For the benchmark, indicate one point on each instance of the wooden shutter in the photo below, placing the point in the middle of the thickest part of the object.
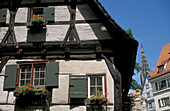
(78, 86)
(52, 74)
(10, 77)
(49, 14)
(3, 13)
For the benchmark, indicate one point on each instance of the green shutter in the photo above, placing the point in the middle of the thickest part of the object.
(49, 14)
(10, 77)
(52, 74)
(78, 86)
(3, 13)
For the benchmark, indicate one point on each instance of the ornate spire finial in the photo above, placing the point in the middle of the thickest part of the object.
(145, 66)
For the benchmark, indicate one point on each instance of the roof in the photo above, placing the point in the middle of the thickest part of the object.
(162, 60)
(150, 73)
(137, 91)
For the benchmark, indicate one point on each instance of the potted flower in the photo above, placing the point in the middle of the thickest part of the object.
(30, 90)
(99, 99)
(36, 21)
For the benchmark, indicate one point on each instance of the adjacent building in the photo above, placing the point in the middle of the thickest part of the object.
(139, 103)
(146, 84)
(161, 80)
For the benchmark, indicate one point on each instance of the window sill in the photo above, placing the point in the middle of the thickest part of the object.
(93, 102)
(30, 25)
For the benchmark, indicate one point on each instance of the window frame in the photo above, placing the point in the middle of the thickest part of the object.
(150, 105)
(148, 95)
(96, 74)
(31, 12)
(32, 72)
(147, 86)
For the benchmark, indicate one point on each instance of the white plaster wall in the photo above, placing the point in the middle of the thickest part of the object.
(6, 107)
(159, 96)
(62, 13)
(60, 94)
(82, 68)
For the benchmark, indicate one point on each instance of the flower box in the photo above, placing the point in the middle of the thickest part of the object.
(30, 90)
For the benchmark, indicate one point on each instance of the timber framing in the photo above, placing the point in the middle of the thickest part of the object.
(72, 32)
(119, 53)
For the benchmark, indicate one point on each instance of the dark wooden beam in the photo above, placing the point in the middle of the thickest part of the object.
(38, 3)
(117, 77)
(3, 61)
(10, 34)
(72, 31)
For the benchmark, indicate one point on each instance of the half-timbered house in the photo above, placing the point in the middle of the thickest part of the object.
(73, 48)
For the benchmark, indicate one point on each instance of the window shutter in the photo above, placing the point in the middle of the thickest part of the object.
(52, 74)
(10, 77)
(78, 86)
(49, 14)
(3, 13)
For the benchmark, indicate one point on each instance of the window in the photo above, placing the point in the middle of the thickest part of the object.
(150, 105)
(148, 95)
(32, 73)
(161, 69)
(37, 11)
(168, 82)
(147, 86)
(160, 85)
(163, 102)
(96, 82)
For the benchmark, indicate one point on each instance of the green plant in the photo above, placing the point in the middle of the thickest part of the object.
(99, 97)
(30, 90)
(38, 20)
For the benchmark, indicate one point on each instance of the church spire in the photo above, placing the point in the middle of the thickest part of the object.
(145, 66)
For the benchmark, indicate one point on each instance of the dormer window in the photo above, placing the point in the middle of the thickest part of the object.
(161, 69)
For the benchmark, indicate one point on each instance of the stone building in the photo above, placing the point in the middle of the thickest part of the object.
(74, 50)
(161, 80)
(147, 91)
(139, 103)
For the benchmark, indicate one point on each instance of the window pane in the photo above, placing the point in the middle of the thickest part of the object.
(41, 81)
(22, 75)
(92, 81)
(28, 76)
(99, 88)
(42, 74)
(28, 68)
(22, 82)
(42, 68)
(99, 80)
(92, 91)
(28, 81)
(23, 68)
(36, 75)
(38, 12)
(36, 68)
(36, 82)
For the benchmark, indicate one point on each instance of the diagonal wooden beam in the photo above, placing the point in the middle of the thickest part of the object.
(72, 32)
(3, 60)
(117, 82)
(10, 34)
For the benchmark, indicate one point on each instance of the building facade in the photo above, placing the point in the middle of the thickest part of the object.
(62, 50)
(161, 80)
(147, 91)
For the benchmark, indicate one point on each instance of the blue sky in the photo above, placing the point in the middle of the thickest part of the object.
(149, 21)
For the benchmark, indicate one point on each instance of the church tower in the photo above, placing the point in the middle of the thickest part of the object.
(145, 66)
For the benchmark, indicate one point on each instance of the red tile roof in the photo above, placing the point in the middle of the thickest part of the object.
(163, 59)
(150, 73)
(137, 91)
